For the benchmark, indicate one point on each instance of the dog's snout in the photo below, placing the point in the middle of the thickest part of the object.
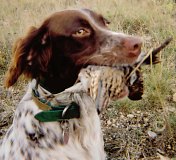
(133, 45)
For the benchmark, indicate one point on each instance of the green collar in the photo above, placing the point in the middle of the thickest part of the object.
(52, 113)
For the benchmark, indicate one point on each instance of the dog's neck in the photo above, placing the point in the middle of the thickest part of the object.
(59, 77)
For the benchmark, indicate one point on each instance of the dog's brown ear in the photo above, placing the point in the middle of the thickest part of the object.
(31, 55)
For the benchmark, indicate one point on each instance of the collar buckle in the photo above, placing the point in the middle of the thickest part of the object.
(65, 110)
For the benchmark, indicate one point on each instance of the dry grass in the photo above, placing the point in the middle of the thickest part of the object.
(154, 20)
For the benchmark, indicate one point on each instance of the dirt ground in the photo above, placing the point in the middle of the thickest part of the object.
(137, 135)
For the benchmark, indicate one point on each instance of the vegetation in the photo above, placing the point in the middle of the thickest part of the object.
(154, 20)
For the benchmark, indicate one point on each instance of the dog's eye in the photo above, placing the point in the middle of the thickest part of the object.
(83, 32)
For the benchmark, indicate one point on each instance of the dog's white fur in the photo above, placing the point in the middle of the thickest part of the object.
(85, 135)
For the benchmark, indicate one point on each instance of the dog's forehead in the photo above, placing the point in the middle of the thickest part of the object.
(76, 14)
(91, 14)
(68, 19)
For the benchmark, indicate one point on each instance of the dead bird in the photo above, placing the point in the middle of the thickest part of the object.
(105, 83)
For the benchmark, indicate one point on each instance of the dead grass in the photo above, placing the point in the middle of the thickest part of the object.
(154, 20)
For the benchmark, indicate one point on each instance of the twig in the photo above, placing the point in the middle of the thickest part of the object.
(139, 64)
(163, 45)
(157, 50)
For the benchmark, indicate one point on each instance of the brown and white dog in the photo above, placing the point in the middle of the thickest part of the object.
(54, 54)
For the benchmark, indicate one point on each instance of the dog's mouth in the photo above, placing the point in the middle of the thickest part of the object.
(112, 59)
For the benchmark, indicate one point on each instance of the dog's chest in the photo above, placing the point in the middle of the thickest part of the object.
(30, 139)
